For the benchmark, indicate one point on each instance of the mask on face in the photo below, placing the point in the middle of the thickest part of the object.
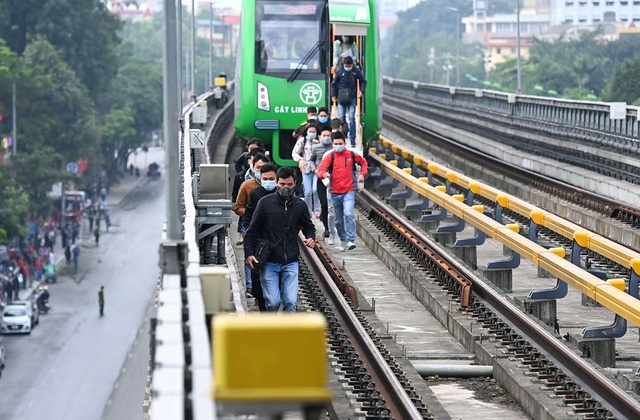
(338, 148)
(285, 192)
(323, 120)
(258, 175)
(312, 117)
(269, 184)
(325, 140)
(311, 136)
(348, 68)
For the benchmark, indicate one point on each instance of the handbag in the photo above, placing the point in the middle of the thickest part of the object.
(345, 96)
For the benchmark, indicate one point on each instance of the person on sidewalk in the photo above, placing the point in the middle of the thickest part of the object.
(96, 234)
(76, 257)
(101, 300)
(339, 167)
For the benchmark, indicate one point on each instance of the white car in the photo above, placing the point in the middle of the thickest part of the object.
(15, 319)
(32, 310)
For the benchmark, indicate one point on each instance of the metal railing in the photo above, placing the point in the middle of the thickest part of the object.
(603, 124)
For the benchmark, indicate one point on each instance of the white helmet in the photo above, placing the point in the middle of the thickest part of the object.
(46, 287)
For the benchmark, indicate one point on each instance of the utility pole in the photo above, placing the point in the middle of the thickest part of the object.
(210, 46)
(519, 88)
(170, 117)
(193, 50)
(455, 9)
(181, 88)
(14, 118)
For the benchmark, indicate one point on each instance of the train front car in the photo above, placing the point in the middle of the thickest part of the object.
(282, 70)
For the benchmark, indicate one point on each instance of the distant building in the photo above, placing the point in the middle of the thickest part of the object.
(589, 12)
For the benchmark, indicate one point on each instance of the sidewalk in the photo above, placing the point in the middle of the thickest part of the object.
(117, 194)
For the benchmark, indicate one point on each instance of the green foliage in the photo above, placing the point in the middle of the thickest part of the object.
(118, 136)
(57, 111)
(13, 207)
(624, 86)
(35, 173)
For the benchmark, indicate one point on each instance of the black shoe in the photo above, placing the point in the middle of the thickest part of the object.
(326, 234)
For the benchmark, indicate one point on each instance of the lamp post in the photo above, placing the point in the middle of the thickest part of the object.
(455, 9)
(519, 87)
(210, 45)
(193, 50)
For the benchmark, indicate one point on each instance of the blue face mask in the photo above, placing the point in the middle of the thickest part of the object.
(338, 148)
(323, 120)
(348, 68)
(311, 136)
(269, 185)
(258, 175)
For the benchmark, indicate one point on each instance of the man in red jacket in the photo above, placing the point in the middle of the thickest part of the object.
(339, 172)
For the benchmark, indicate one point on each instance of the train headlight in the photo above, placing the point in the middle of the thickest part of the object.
(263, 98)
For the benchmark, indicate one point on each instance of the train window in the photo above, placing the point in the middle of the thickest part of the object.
(287, 35)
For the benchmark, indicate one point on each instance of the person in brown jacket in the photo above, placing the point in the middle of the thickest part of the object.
(243, 200)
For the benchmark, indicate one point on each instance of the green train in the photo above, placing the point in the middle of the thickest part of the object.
(285, 56)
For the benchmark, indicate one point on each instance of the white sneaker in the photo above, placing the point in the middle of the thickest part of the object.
(351, 245)
(342, 247)
(331, 239)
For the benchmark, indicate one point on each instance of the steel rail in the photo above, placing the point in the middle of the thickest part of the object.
(599, 386)
(398, 402)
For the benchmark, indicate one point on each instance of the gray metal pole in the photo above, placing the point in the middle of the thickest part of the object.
(14, 118)
(181, 87)
(170, 116)
(193, 50)
(458, 47)
(519, 88)
(210, 46)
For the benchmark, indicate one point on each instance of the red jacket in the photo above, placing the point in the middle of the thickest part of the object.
(343, 177)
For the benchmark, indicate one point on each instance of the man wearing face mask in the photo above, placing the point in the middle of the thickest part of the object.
(317, 153)
(279, 217)
(323, 119)
(268, 186)
(339, 169)
(243, 199)
(344, 92)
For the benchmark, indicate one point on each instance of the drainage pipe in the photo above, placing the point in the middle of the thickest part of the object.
(453, 371)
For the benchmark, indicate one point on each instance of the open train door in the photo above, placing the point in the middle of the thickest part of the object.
(351, 18)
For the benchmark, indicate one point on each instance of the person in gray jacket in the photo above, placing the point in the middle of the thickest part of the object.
(317, 153)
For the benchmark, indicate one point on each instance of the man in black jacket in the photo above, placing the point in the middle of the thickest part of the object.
(344, 92)
(267, 186)
(279, 217)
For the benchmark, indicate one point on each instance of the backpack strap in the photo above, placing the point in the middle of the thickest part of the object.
(353, 161)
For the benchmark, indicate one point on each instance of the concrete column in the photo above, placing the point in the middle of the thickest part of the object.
(397, 203)
(600, 350)
(502, 278)
(543, 309)
(444, 238)
(468, 254)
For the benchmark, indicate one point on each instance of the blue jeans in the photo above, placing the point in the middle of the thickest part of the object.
(310, 183)
(280, 283)
(345, 217)
(351, 111)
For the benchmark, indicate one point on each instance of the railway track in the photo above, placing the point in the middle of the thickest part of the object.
(579, 386)
(586, 199)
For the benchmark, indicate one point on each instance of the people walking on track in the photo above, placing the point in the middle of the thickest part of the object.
(101, 300)
(339, 167)
(275, 224)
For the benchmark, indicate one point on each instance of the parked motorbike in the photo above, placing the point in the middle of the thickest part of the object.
(44, 307)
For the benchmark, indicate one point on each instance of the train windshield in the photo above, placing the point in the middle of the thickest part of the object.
(287, 35)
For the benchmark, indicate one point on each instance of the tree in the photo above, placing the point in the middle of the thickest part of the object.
(83, 30)
(118, 136)
(624, 86)
(13, 207)
(35, 173)
(55, 110)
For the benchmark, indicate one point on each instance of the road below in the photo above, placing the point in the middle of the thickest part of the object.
(68, 367)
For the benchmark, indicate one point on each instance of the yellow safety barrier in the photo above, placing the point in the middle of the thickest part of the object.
(270, 358)
(599, 244)
(552, 261)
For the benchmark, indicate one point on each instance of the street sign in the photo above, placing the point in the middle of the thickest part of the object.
(197, 139)
(72, 167)
(199, 115)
